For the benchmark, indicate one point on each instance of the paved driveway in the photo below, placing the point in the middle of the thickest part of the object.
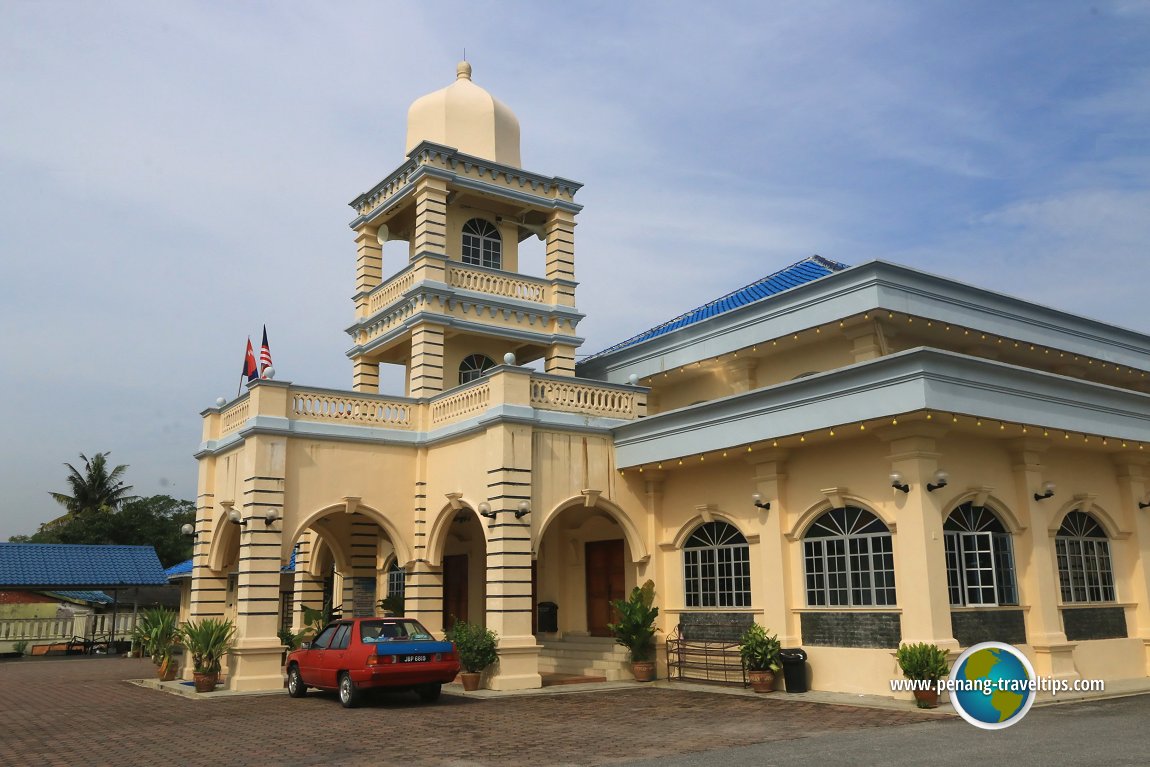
(81, 712)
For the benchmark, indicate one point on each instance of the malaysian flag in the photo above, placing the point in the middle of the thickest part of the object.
(265, 355)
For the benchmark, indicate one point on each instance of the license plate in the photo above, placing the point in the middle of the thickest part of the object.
(414, 659)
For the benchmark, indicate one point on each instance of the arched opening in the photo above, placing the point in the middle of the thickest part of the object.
(848, 560)
(979, 558)
(583, 563)
(464, 562)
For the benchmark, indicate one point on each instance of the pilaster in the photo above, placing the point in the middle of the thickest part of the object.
(1133, 475)
(423, 595)
(307, 589)
(1037, 570)
(773, 585)
(919, 544)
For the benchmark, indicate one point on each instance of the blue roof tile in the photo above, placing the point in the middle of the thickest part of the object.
(78, 567)
(96, 597)
(807, 270)
(184, 569)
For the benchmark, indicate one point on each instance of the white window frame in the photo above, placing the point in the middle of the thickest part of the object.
(1085, 566)
(850, 568)
(716, 567)
(482, 244)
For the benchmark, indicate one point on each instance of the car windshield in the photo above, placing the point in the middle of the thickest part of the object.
(393, 629)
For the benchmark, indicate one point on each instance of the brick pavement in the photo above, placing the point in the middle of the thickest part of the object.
(81, 712)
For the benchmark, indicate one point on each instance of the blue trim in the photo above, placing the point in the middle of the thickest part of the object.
(807, 270)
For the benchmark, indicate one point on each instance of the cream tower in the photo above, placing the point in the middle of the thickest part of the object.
(463, 204)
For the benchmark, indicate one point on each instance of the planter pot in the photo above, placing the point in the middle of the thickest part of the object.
(205, 682)
(762, 681)
(644, 670)
(168, 670)
(470, 681)
(926, 698)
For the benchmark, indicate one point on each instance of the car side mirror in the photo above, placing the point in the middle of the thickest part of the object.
(305, 645)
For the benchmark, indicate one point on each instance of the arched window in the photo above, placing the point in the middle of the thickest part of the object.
(473, 367)
(848, 560)
(979, 558)
(482, 245)
(1083, 555)
(396, 577)
(717, 567)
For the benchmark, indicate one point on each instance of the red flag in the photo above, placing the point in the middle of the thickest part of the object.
(265, 355)
(250, 363)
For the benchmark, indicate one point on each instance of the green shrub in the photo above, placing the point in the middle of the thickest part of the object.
(20, 647)
(158, 633)
(208, 641)
(474, 644)
(760, 650)
(636, 627)
(922, 661)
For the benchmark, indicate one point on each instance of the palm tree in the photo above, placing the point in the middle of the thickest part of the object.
(96, 489)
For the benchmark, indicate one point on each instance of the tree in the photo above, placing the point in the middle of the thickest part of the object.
(151, 521)
(97, 489)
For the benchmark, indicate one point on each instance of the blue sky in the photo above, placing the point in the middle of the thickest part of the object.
(174, 175)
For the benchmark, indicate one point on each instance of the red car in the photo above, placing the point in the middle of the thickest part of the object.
(359, 654)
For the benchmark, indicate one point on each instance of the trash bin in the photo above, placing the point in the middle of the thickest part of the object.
(794, 669)
(548, 622)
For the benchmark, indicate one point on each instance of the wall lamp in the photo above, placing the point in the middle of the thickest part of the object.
(1047, 492)
(485, 510)
(1145, 505)
(523, 510)
(941, 480)
(234, 516)
(188, 529)
(758, 501)
(897, 483)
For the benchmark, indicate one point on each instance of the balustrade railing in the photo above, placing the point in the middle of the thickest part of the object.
(568, 395)
(312, 405)
(520, 287)
(234, 416)
(461, 404)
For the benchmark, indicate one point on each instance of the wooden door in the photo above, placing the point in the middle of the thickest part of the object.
(604, 564)
(454, 589)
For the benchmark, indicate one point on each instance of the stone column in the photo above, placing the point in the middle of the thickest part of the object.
(256, 657)
(365, 376)
(771, 589)
(307, 588)
(561, 254)
(364, 550)
(423, 595)
(1133, 475)
(560, 360)
(430, 235)
(919, 547)
(368, 267)
(1037, 567)
(426, 371)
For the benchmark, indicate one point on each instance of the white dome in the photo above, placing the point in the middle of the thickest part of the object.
(466, 117)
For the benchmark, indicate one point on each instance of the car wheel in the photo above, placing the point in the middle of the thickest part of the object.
(296, 687)
(348, 692)
(428, 693)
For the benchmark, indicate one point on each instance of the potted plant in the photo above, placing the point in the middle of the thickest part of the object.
(208, 641)
(760, 653)
(636, 629)
(158, 634)
(475, 646)
(923, 662)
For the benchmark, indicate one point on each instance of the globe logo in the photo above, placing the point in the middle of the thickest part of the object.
(992, 685)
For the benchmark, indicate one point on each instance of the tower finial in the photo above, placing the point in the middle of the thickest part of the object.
(463, 71)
